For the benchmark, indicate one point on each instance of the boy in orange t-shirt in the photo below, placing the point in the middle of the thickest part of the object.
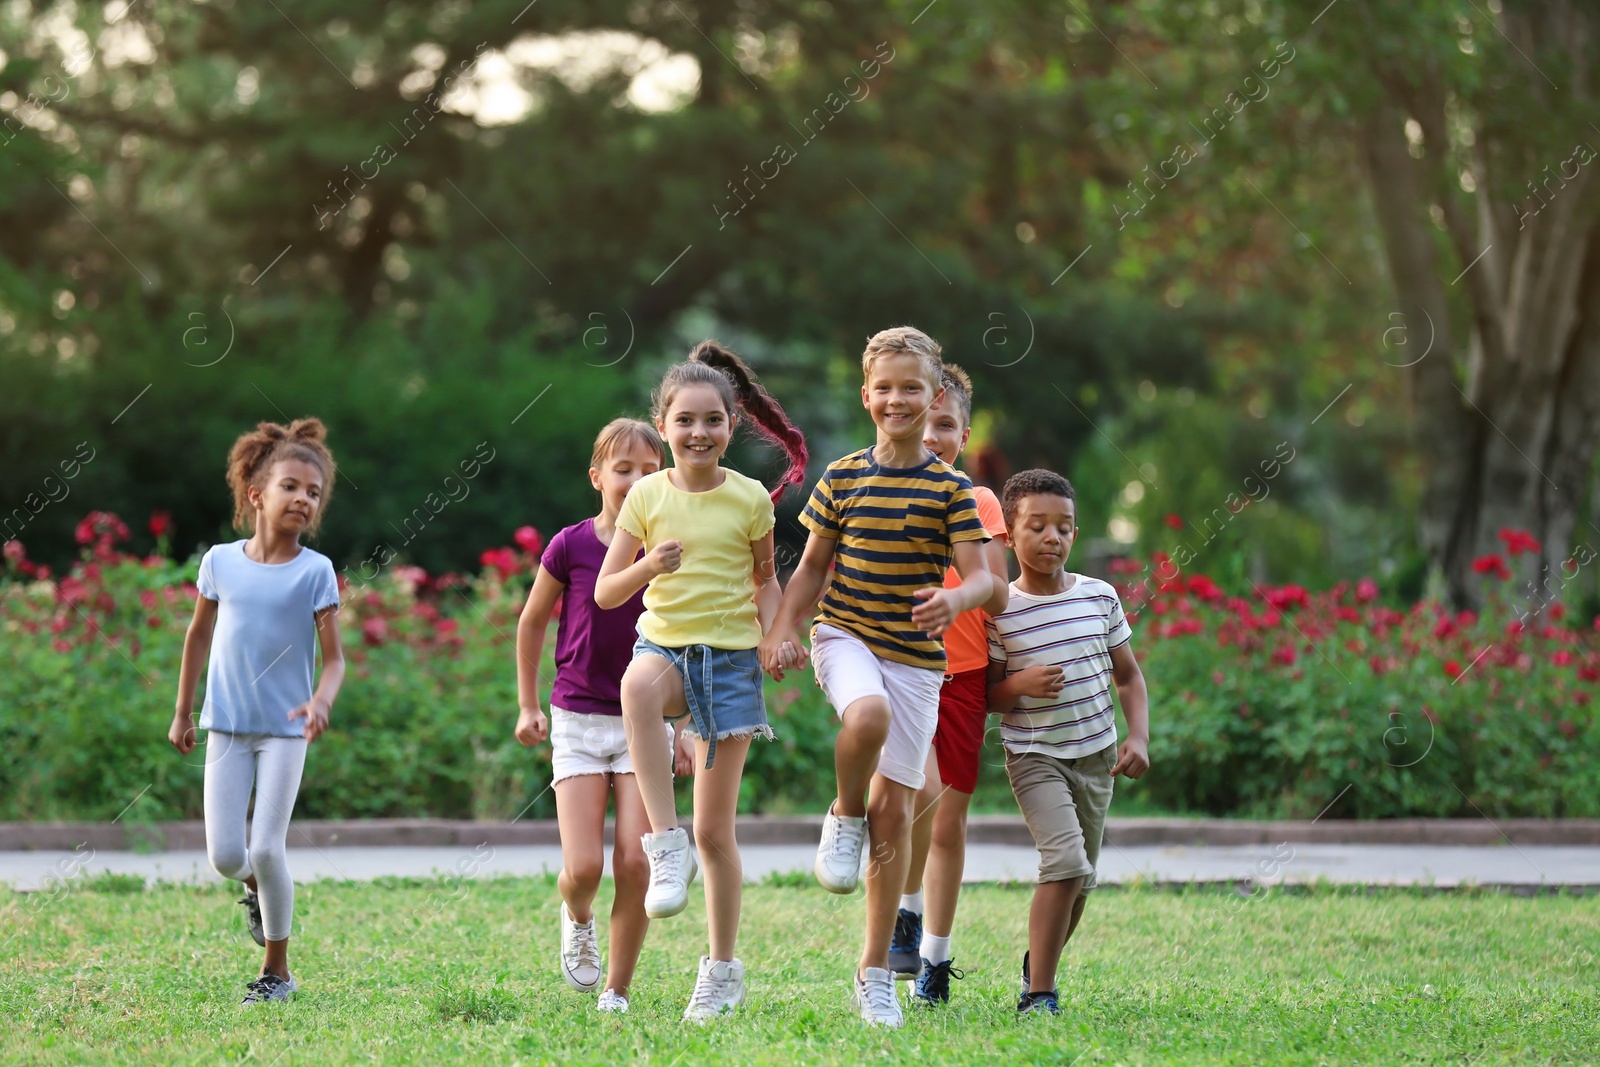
(939, 829)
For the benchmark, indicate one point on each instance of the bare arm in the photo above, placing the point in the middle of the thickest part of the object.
(994, 555)
(196, 649)
(316, 710)
(979, 588)
(621, 575)
(1134, 758)
(799, 599)
(534, 623)
(1036, 681)
(769, 594)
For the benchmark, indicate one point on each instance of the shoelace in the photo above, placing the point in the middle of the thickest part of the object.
(939, 975)
(265, 984)
(846, 833)
(708, 992)
(584, 948)
(670, 863)
(879, 997)
(905, 930)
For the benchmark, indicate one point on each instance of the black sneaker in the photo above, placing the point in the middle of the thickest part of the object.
(933, 986)
(905, 950)
(1032, 1003)
(252, 917)
(268, 987)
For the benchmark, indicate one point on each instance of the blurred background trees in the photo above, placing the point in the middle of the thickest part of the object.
(1175, 243)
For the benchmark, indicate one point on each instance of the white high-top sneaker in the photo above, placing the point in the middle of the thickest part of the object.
(672, 868)
(718, 990)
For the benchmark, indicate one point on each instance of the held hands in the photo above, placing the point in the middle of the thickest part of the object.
(315, 713)
(935, 614)
(181, 733)
(665, 558)
(780, 651)
(532, 726)
(1039, 681)
(682, 754)
(1132, 759)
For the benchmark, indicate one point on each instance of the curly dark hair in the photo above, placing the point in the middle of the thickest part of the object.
(1027, 483)
(251, 459)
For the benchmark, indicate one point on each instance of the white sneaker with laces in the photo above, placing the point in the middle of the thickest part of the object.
(875, 996)
(672, 869)
(580, 954)
(611, 1000)
(838, 865)
(718, 990)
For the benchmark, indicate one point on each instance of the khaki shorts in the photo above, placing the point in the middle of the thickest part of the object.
(1064, 802)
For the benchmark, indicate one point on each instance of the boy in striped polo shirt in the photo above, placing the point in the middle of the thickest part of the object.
(1054, 654)
(890, 519)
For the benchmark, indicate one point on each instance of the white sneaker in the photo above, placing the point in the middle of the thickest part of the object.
(875, 996)
(672, 868)
(611, 1000)
(838, 865)
(580, 954)
(718, 989)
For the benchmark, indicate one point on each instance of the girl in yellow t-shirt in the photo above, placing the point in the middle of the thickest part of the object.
(711, 592)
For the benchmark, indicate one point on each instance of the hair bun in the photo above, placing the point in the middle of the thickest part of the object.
(308, 429)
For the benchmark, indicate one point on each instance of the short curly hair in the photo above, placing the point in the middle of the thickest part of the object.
(1028, 483)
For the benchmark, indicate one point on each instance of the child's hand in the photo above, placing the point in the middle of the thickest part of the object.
(935, 614)
(665, 557)
(315, 713)
(181, 732)
(781, 650)
(532, 726)
(1132, 759)
(683, 754)
(1039, 681)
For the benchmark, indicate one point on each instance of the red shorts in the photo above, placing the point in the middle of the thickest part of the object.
(957, 740)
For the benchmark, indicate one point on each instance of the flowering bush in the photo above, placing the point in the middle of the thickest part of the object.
(1270, 704)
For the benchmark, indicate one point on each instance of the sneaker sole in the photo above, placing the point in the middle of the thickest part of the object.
(579, 986)
(902, 975)
(843, 889)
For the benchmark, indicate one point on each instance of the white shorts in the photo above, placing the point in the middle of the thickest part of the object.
(847, 670)
(589, 744)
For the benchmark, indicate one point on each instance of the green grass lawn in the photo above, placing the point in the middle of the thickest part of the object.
(440, 972)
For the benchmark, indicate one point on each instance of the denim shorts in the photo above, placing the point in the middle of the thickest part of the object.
(722, 688)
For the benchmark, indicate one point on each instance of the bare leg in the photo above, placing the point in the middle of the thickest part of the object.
(631, 873)
(1050, 922)
(946, 861)
(581, 816)
(277, 959)
(922, 823)
(652, 692)
(716, 802)
(889, 829)
(864, 728)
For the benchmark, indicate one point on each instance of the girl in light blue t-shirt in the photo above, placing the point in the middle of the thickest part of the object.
(265, 606)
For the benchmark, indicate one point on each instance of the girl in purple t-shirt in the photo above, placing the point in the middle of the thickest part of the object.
(589, 749)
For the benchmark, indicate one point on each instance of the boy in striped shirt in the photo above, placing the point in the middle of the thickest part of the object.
(1054, 654)
(890, 519)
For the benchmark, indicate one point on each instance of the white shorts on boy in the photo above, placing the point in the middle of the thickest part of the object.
(589, 744)
(847, 670)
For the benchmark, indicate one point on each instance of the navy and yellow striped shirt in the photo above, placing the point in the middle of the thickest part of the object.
(895, 528)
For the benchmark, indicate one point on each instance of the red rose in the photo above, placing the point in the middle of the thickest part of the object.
(1452, 668)
(160, 523)
(529, 540)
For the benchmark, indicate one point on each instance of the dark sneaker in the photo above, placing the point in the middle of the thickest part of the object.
(905, 949)
(933, 985)
(269, 987)
(252, 917)
(1039, 1003)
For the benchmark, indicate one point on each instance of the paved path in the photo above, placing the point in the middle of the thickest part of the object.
(1438, 865)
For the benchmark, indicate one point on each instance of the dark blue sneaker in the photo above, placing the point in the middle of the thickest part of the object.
(1039, 1003)
(933, 985)
(905, 949)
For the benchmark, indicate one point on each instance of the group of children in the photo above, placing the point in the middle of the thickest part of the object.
(671, 612)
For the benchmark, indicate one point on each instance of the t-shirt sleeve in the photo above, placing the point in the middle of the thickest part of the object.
(989, 510)
(555, 559)
(325, 593)
(997, 650)
(961, 520)
(762, 515)
(207, 583)
(820, 516)
(1118, 632)
(631, 518)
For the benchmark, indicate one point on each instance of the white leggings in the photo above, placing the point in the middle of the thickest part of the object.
(271, 765)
